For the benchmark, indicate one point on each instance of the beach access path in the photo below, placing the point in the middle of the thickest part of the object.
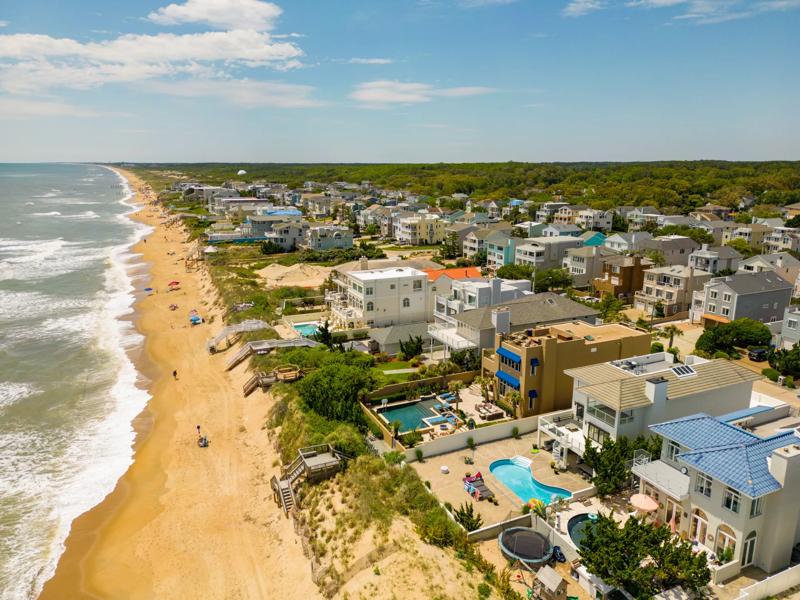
(186, 522)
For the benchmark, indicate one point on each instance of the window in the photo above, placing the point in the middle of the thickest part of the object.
(672, 451)
(712, 308)
(703, 485)
(765, 306)
(406, 302)
(417, 285)
(726, 311)
(596, 434)
(713, 294)
(731, 500)
(370, 307)
(391, 286)
(726, 297)
(755, 507)
(791, 324)
(369, 291)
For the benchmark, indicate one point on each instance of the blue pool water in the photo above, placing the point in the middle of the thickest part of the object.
(524, 486)
(410, 415)
(577, 526)
(306, 329)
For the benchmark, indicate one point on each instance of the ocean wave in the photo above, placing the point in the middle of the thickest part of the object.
(52, 213)
(16, 306)
(26, 260)
(51, 194)
(11, 392)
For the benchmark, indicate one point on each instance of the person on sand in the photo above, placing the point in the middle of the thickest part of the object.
(175, 375)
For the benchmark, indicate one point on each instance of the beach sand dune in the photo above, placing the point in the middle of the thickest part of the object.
(302, 275)
(186, 522)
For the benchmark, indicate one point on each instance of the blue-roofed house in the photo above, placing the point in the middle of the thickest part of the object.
(734, 493)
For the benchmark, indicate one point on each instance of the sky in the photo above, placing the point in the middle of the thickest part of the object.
(399, 80)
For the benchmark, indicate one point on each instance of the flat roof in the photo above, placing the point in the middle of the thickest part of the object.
(590, 334)
(390, 273)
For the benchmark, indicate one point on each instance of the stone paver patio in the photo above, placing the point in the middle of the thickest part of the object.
(450, 488)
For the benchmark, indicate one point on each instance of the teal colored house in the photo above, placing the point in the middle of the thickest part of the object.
(593, 238)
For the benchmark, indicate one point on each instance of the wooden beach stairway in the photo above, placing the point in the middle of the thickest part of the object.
(313, 464)
(265, 379)
(235, 330)
(266, 346)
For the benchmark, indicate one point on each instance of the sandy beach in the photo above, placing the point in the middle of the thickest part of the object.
(186, 522)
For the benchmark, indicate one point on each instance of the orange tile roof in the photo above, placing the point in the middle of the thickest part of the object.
(456, 273)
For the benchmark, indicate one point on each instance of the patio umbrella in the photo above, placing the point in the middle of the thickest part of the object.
(171, 283)
(644, 503)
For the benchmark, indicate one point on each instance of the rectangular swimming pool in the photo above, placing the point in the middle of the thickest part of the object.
(410, 415)
(306, 329)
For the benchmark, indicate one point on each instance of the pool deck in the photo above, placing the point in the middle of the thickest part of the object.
(450, 488)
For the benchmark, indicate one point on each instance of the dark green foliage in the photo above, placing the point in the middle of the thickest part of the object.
(515, 272)
(411, 348)
(618, 223)
(467, 360)
(552, 279)
(793, 222)
(394, 457)
(610, 308)
(334, 391)
(742, 247)
(479, 260)
(270, 247)
(418, 453)
(658, 310)
(609, 462)
(484, 591)
(324, 334)
(786, 362)
(338, 256)
(740, 333)
(770, 374)
(451, 247)
(656, 347)
(641, 558)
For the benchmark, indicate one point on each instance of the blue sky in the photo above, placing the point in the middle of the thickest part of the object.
(399, 80)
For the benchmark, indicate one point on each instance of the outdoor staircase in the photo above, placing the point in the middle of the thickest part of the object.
(265, 346)
(287, 496)
(283, 487)
(236, 329)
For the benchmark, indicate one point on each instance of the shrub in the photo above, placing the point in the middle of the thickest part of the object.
(789, 382)
(470, 443)
(526, 508)
(721, 354)
(484, 590)
(411, 439)
(515, 433)
(770, 374)
(436, 528)
(418, 453)
(466, 517)
(656, 347)
(394, 457)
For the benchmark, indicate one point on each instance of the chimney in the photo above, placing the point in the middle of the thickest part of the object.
(656, 389)
(363, 263)
(496, 284)
(501, 319)
(704, 247)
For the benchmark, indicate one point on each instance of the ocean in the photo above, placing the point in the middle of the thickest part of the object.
(68, 390)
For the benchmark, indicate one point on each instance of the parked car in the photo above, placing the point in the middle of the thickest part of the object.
(758, 354)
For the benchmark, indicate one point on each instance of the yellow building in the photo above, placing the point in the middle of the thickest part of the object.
(533, 362)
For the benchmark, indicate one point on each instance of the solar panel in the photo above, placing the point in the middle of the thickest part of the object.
(683, 371)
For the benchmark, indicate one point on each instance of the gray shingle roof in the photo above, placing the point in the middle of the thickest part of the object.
(535, 309)
(753, 283)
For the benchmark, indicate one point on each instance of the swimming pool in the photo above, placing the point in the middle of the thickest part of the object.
(410, 415)
(519, 480)
(577, 525)
(306, 329)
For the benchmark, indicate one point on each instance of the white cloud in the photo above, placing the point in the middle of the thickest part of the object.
(384, 93)
(243, 92)
(19, 108)
(224, 14)
(370, 61)
(32, 63)
(578, 8)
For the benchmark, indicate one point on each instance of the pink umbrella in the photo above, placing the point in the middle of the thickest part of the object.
(673, 526)
(644, 503)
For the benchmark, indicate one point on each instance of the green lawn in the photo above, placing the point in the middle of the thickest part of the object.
(393, 365)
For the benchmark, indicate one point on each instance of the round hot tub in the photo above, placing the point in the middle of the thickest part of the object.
(577, 526)
(525, 545)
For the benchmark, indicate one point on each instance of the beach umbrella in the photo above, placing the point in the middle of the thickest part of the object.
(171, 283)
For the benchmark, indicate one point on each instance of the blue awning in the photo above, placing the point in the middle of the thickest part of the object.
(533, 394)
(534, 362)
(508, 379)
(509, 355)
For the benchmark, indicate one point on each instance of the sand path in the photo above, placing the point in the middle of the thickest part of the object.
(185, 522)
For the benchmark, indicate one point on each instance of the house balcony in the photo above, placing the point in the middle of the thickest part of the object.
(563, 427)
(449, 336)
(664, 477)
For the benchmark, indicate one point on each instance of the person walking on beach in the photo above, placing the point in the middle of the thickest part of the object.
(175, 375)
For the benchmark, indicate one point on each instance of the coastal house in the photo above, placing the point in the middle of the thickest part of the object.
(718, 229)
(624, 397)
(585, 264)
(473, 293)
(782, 263)
(475, 241)
(500, 249)
(790, 210)
(621, 276)
(715, 259)
(752, 234)
(731, 491)
(561, 229)
(790, 328)
(475, 329)
(711, 212)
(328, 237)
(675, 249)
(760, 296)
(592, 219)
(782, 239)
(547, 211)
(627, 242)
(532, 362)
(378, 297)
(568, 215)
(669, 287)
(545, 252)
(642, 215)
(288, 236)
(420, 230)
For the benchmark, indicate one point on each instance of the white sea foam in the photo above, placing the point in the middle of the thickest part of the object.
(79, 484)
(11, 392)
(52, 213)
(51, 194)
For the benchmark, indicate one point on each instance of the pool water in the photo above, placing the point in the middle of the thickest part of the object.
(410, 415)
(577, 526)
(524, 485)
(306, 329)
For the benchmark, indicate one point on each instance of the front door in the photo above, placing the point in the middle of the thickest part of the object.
(749, 551)
(673, 509)
(699, 529)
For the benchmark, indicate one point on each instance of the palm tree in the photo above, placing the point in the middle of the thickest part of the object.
(455, 388)
(540, 510)
(514, 398)
(670, 331)
(484, 383)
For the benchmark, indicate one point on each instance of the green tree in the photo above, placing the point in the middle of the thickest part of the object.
(451, 247)
(513, 398)
(641, 558)
(618, 223)
(455, 388)
(786, 362)
(742, 247)
(670, 332)
(701, 236)
(372, 229)
(610, 461)
(479, 260)
(412, 348)
(656, 256)
(610, 308)
(334, 391)
(740, 333)
(324, 335)
(515, 272)
(658, 310)
(552, 279)
(467, 359)
(466, 516)
(793, 222)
